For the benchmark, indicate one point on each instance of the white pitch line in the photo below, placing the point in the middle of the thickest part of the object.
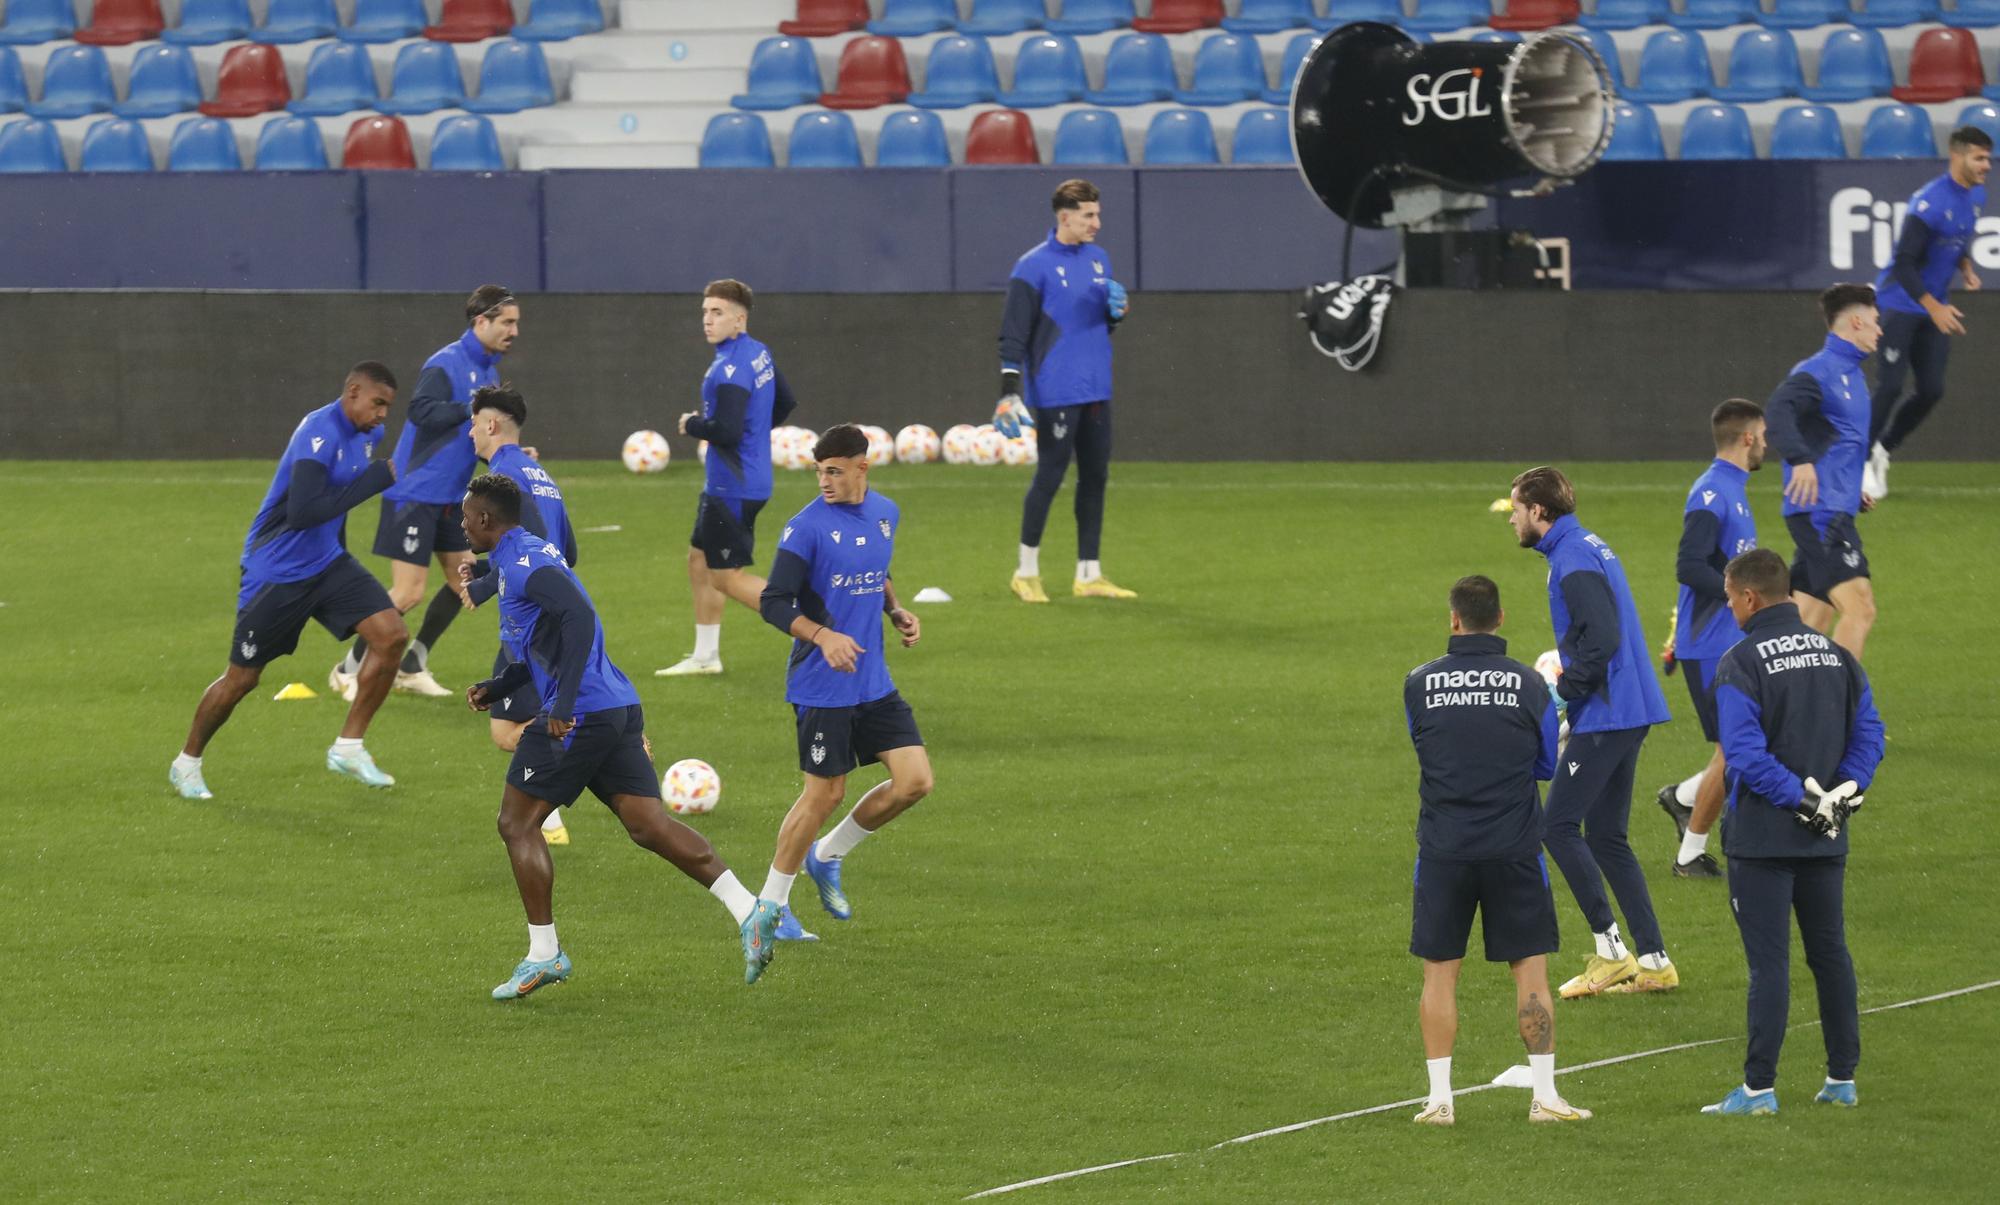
(1417, 1100)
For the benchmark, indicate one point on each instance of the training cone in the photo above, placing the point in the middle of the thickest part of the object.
(1502, 506)
(296, 690)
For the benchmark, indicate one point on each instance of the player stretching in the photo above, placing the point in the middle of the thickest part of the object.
(1612, 697)
(589, 732)
(829, 590)
(1715, 525)
(296, 567)
(434, 460)
(1055, 357)
(743, 396)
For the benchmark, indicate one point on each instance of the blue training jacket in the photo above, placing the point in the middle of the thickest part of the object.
(1937, 233)
(1056, 329)
(1716, 525)
(1607, 680)
(434, 454)
(1819, 416)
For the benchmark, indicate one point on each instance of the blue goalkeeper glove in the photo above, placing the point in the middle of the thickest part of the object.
(1115, 301)
(1011, 412)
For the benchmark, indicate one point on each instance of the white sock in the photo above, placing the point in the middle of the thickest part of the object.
(1684, 793)
(1693, 845)
(734, 896)
(778, 887)
(185, 763)
(1749, 1091)
(1440, 1070)
(842, 840)
(421, 652)
(542, 944)
(343, 744)
(1088, 571)
(1830, 1079)
(1031, 562)
(350, 664)
(1610, 946)
(554, 823)
(707, 641)
(1656, 961)
(1542, 1068)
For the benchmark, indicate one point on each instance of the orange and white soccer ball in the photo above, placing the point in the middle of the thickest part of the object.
(881, 449)
(691, 787)
(1020, 450)
(647, 452)
(958, 443)
(799, 451)
(1550, 666)
(916, 444)
(987, 444)
(701, 452)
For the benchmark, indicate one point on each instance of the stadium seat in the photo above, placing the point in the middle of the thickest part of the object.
(1713, 14)
(1296, 51)
(1853, 65)
(1269, 16)
(1048, 70)
(1803, 14)
(1763, 65)
(872, 72)
(1262, 136)
(340, 79)
(1635, 134)
(912, 139)
(1808, 132)
(1893, 14)
(289, 21)
(13, 83)
(1944, 65)
(1180, 137)
(471, 21)
(1228, 68)
(1436, 16)
(1717, 132)
(1180, 16)
(1626, 14)
(1673, 66)
(291, 144)
(466, 143)
(1898, 132)
(1138, 69)
(1091, 16)
(378, 144)
(959, 72)
(76, 82)
(1981, 116)
(993, 17)
(163, 81)
(29, 145)
(207, 22)
(736, 140)
(1090, 136)
(783, 73)
(1506, 36)
(555, 21)
(116, 144)
(384, 21)
(203, 144)
(426, 78)
(250, 81)
(122, 22)
(1976, 14)
(1346, 12)
(1607, 50)
(513, 76)
(824, 18)
(1001, 136)
(824, 139)
(1538, 14)
(32, 22)
(913, 18)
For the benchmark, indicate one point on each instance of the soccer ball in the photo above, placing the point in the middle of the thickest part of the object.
(958, 444)
(881, 449)
(691, 787)
(647, 452)
(916, 444)
(1020, 450)
(987, 443)
(1550, 666)
(799, 452)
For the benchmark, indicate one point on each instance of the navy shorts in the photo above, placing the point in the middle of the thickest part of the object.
(1821, 562)
(340, 596)
(835, 740)
(411, 531)
(606, 753)
(1516, 910)
(725, 529)
(521, 706)
(1700, 677)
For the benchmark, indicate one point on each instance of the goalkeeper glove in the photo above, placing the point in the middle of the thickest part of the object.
(1115, 301)
(1824, 811)
(1011, 412)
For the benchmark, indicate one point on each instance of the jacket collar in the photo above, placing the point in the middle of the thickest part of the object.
(1841, 349)
(1557, 532)
(1483, 642)
(475, 351)
(1771, 617)
(340, 418)
(1061, 248)
(1732, 471)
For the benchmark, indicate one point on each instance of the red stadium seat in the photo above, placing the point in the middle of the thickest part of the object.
(1944, 65)
(1538, 14)
(472, 21)
(823, 18)
(1001, 136)
(872, 72)
(1180, 16)
(122, 22)
(378, 144)
(250, 81)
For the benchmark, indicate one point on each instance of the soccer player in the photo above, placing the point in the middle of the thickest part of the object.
(1612, 698)
(1485, 731)
(1796, 712)
(743, 395)
(434, 460)
(588, 732)
(1933, 249)
(1055, 358)
(1818, 421)
(296, 567)
(1716, 524)
(829, 591)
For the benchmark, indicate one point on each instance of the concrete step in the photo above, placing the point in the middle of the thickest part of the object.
(712, 86)
(536, 156)
(689, 16)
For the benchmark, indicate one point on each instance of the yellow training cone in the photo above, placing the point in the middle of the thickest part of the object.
(296, 690)
(1501, 506)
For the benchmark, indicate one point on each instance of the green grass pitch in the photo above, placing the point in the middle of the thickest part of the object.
(1159, 899)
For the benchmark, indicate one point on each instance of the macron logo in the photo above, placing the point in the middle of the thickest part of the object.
(729, 370)
(522, 561)
(527, 774)
(1708, 496)
(1572, 768)
(318, 442)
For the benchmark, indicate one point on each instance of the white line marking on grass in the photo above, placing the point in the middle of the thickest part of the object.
(1418, 1100)
(606, 527)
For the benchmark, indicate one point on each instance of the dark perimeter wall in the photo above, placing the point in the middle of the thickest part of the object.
(1200, 376)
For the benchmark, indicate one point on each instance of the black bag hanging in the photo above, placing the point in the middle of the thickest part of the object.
(1344, 318)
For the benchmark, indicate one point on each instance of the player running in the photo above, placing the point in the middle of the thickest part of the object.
(589, 732)
(296, 567)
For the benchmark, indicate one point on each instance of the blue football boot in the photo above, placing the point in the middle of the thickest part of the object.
(1741, 1102)
(789, 928)
(531, 975)
(189, 784)
(825, 875)
(1836, 1093)
(759, 932)
(358, 766)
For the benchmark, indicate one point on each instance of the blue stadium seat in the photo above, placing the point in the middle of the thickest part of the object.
(1763, 65)
(513, 76)
(1717, 132)
(1228, 68)
(1808, 132)
(1853, 65)
(1713, 14)
(990, 17)
(913, 18)
(29, 145)
(912, 139)
(959, 72)
(1439, 15)
(1495, 35)
(1626, 14)
(1090, 136)
(203, 144)
(116, 144)
(1892, 14)
(340, 78)
(384, 21)
(1138, 69)
(291, 144)
(466, 143)
(1346, 12)
(32, 22)
(1981, 115)
(1090, 16)
(13, 83)
(1269, 16)
(557, 21)
(1296, 51)
(1181, 136)
(1673, 66)
(1635, 134)
(1803, 14)
(1263, 136)
(207, 22)
(1898, 132)
(163, 82)
(736, 140)
(1048, 70)
(289, 21)
(1607, 50)
(426, 78)
(1975, 14)
(76, 82)
(783, 73)
(824, 138)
